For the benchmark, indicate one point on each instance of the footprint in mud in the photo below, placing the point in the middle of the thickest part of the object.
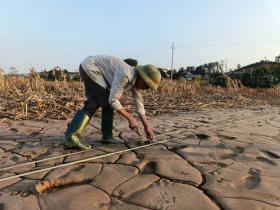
(239, 149)
(203, 121)
(236, 151)
(226, 137)
(220, 146)
(149, 168)
(266, 160)
(178, 147)
(202, 136)
(253, 180)
(229, 156)
(14, 129)
(180, 126)
(270, 154)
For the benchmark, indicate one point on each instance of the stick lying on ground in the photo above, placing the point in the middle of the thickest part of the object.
(44, 185)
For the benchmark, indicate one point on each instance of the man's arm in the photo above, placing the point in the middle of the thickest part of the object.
(139, 105)
(149, 132)
(119, 82)
(134, 125)
(131, 120)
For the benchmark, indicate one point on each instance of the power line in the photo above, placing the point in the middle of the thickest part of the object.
(229, 43)
(234, 38)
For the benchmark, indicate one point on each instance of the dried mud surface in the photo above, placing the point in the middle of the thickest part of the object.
(224, 159)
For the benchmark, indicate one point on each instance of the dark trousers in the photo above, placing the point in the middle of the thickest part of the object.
(97, 96)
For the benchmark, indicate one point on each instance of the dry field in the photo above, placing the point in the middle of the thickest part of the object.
(36, 99)
(226, 158)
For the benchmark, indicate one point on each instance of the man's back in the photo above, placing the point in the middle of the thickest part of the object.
(108, 65)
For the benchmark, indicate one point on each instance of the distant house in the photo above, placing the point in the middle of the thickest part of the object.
(184, 75)
(189, 76)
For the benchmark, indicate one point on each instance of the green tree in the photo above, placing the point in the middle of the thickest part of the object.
(276, 75)
(76, 78)
(260, 77)
(246, 79)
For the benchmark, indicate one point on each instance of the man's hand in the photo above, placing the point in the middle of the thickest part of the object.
(149, 133)
(133, 125)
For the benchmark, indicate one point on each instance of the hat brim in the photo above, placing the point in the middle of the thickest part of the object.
(150, 83)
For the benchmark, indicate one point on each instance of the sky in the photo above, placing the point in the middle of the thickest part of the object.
(48, 33)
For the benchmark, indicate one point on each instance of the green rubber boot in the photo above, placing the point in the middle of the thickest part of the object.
(74, 130)
(107, 127)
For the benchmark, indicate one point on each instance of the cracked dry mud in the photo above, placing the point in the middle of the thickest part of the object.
(225, 159)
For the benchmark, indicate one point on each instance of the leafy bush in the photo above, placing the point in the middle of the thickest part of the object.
(131, 62)
(260, 77)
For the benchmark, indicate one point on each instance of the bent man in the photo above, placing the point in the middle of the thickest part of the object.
(105, 79)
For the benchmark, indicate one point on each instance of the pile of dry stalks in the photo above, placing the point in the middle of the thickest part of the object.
(36, 99)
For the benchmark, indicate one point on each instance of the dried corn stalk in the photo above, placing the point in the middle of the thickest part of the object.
(36, 99)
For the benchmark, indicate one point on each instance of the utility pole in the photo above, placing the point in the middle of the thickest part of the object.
(226, 65)
(172, 57)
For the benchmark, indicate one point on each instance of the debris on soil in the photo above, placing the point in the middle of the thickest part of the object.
(49, 184)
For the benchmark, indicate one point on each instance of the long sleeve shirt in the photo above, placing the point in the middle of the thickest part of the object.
(113, 73)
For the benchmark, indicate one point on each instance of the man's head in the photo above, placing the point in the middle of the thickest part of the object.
(150, 77)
